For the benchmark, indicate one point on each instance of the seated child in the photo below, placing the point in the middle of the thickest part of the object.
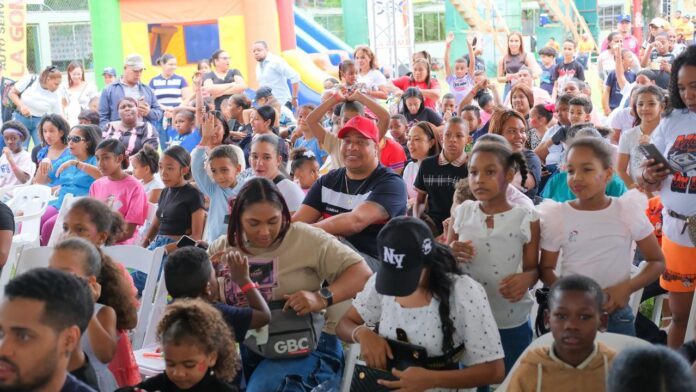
(448, 106)
(16, 166)
(199, 351)
(650, 368)
(304, 168)
(183, 133)
(574, 360)
(189, 273)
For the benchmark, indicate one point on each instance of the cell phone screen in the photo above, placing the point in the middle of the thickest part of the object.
(185, 241)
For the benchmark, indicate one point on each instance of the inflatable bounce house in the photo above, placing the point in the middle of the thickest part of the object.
(192, 31)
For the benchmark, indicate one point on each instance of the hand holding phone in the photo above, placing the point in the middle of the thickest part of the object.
(651, 152)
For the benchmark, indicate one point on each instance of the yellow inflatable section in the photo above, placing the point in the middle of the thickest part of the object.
(310, 74)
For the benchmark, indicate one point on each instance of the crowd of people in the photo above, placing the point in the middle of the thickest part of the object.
(423, 224)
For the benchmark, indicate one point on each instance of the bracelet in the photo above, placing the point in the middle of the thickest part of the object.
(352, 334)
(249, 286)
(646, 180)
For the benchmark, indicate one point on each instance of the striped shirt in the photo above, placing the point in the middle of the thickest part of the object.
(168, 91)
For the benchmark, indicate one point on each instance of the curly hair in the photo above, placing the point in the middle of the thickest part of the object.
(194, 320)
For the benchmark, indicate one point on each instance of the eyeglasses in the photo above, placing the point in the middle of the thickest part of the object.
(76, 139)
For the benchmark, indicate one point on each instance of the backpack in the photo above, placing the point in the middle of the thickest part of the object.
(8, 107)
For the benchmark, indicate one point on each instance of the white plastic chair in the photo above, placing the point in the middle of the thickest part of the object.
(149, 367)
(352, 355)
(142, 230)
(68, 201)
(615, 341)
(143, 260)
(28, 205)
(8, 269)
(634, 299)
(690, 324)
(30, 258)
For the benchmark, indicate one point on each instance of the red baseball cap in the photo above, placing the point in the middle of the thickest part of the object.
(362, 125)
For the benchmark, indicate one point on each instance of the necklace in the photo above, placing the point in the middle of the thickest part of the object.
(166, 201)
(357, 191)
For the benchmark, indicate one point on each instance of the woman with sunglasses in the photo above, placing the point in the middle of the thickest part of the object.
(131, 130)
(72, 175)
(36, 96)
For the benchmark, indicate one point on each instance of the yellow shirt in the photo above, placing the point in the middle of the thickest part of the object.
(585, 46)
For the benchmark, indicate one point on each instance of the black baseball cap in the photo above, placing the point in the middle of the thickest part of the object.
(263, 92)
(404, 243)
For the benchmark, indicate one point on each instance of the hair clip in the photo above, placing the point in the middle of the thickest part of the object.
(550, 107)
(308, 154)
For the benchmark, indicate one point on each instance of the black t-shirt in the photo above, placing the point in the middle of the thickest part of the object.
(328, 195)
(236, 126)
(661, 77)
(161, 382)
(426, 114)
(570, 70)
(229, 78)
(72, 384)
(534, 170)
(175, 207)
(438, 182)
(86, 374)
(6, 218)
(237, 318)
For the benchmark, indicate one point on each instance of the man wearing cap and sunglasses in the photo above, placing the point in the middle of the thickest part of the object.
(129, 86)
(358, 199)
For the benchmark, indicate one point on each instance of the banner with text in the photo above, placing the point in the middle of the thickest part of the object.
(13, 38)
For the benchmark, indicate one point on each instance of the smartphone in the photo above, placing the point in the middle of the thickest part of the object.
(473, 41)
(651, 152)
(185, 241)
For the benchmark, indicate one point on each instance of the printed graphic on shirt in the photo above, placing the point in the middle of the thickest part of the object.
(682, 157)
(262, 271)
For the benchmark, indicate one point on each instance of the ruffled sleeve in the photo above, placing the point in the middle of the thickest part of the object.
(530, 215)
(368, 302)
(463, 214)
(632, 206)
(552, 227)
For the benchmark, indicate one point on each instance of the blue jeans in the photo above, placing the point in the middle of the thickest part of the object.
(622, 322)
(140, 277)
(163, 134)
(32, 124)
(514, 341)
(323, 366)
(582, 59)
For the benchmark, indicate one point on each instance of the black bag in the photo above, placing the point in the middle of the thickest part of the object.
(289, 335)
(542, 298)
(9, 107)
(365, 379)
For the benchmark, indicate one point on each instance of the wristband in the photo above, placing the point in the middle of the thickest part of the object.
(352, 334)
(249, 286)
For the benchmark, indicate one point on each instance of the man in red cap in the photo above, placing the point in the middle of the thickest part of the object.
(359, 198)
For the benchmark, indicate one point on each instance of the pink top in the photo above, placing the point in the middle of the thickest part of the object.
(126, 196)
(405, 82)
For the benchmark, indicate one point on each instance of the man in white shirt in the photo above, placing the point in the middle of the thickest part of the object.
(274, 72)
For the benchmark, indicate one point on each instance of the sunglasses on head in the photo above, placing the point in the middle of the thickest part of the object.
(76, 139)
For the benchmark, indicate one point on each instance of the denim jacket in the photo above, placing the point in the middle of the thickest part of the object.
(114, 93)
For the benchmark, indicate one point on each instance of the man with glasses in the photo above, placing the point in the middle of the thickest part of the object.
(357, 200)
(129, 86)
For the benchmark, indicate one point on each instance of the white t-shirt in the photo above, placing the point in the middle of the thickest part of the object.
(409, 176)
(675, 137)
(597, 244)
(373, 79)
(621, 119)
(628, 144)
(292, 193)
(78, 100)
(23, 160)
(555, 150)
(473, 322)
(156, 183)
(499, 254)
(37, 99)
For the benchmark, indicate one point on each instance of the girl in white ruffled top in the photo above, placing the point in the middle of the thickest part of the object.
(497, 243)
(595, 233)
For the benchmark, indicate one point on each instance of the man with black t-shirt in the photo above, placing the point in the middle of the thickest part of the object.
(358, 199)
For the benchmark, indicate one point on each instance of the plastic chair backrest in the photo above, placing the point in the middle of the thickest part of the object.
(137, 258)
(68, 201)
(8, 269)
(30, 199)
(30, 258)
(158, 307)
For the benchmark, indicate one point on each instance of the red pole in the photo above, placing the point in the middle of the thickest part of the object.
(286, 25)
(638, 20)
